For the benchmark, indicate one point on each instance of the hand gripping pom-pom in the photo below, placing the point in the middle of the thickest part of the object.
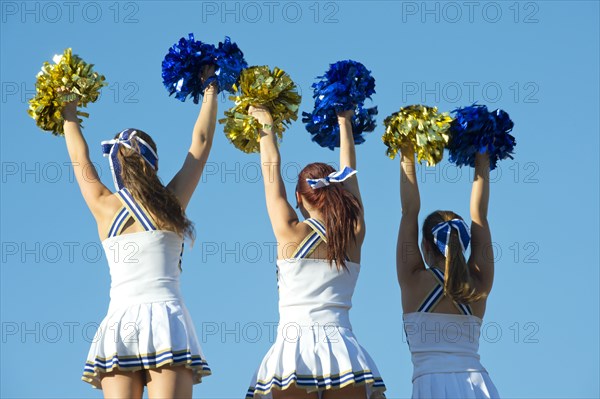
(475, 130)
(258, 85)
(345, 86)
(421, 126)
(68, 79)
(182, 66)
(325, 128)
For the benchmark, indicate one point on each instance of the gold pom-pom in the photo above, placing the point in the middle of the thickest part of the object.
(258, 85)
(420, 125)
(68, 79)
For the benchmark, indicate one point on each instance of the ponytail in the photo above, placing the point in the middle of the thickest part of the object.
(341, 211)
(458, 282)
(145, 186)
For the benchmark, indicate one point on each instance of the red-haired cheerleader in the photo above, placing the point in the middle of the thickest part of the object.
(316, 353)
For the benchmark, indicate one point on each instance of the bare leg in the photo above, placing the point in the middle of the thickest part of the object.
(170, 383)
(349, 392)
(123, 385)
(293, 392)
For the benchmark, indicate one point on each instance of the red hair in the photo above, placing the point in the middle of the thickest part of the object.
(340, 209)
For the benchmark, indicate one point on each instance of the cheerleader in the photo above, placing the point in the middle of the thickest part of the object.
(445, 303)
(316, 354)
(147, 337)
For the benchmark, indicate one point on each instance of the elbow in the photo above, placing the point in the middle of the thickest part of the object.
(201, 147)
(205, 140)
(479, 219)
(270, 156)
(410, 211)
(410, 206)
(479, 213)
(78, 156)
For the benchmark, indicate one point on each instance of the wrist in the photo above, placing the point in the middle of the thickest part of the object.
(342, 120)
(407, 150)
(70, 116)
(211, 88)
(346, 114)
(266, 126)
(482, 161)
(263, 120)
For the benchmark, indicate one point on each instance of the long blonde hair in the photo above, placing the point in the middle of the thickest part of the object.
(458, 282)
(144, 184)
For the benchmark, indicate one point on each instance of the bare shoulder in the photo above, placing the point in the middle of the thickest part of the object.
(288, 242)
(415, 289)
(482, 274)
(106, 212)
(483, 283)
(415, 278)
(479, 307)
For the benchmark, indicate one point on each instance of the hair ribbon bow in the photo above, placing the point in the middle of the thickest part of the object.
(334, 177)
(110, 149)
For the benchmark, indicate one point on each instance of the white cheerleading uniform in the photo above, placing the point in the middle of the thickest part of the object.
(147, 325)
(444, 349)
(315, 348)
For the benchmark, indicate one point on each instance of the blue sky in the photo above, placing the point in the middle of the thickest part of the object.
(539, 61)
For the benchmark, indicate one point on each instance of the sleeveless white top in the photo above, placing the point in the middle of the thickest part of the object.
(147, 324)
(443, 343)
(311, 291)
(144, 267)
(315, 348)
(445, 350)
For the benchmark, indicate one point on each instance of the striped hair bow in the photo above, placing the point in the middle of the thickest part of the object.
(110, 149)
(441, 234)
(334, 177)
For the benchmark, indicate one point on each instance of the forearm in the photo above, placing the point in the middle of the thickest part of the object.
(87, 177)
(409, 189)
(347, 148)
(204, 129)
(76, 145)
(408, 254)
(270, 157)
(480, 193)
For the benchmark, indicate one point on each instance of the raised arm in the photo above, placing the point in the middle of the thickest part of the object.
(348, 158)
(408, 254)
(481, 261)
(186, 180)
(282, 215)
(348, 151)
(93, 191)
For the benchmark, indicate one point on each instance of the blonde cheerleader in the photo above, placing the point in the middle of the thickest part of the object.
(445, 303)
(147, 337)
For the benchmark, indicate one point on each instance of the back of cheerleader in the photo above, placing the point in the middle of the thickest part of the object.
(315, 348)
(444, 349)
(147, 325)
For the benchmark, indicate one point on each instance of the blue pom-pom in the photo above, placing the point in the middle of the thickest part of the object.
(476, 130)
(326, 131)
(182, 65)
(230, 63)
(346, 85)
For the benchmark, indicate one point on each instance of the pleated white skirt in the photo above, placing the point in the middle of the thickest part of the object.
(145, 336)
(465, 385)
(316, 358)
